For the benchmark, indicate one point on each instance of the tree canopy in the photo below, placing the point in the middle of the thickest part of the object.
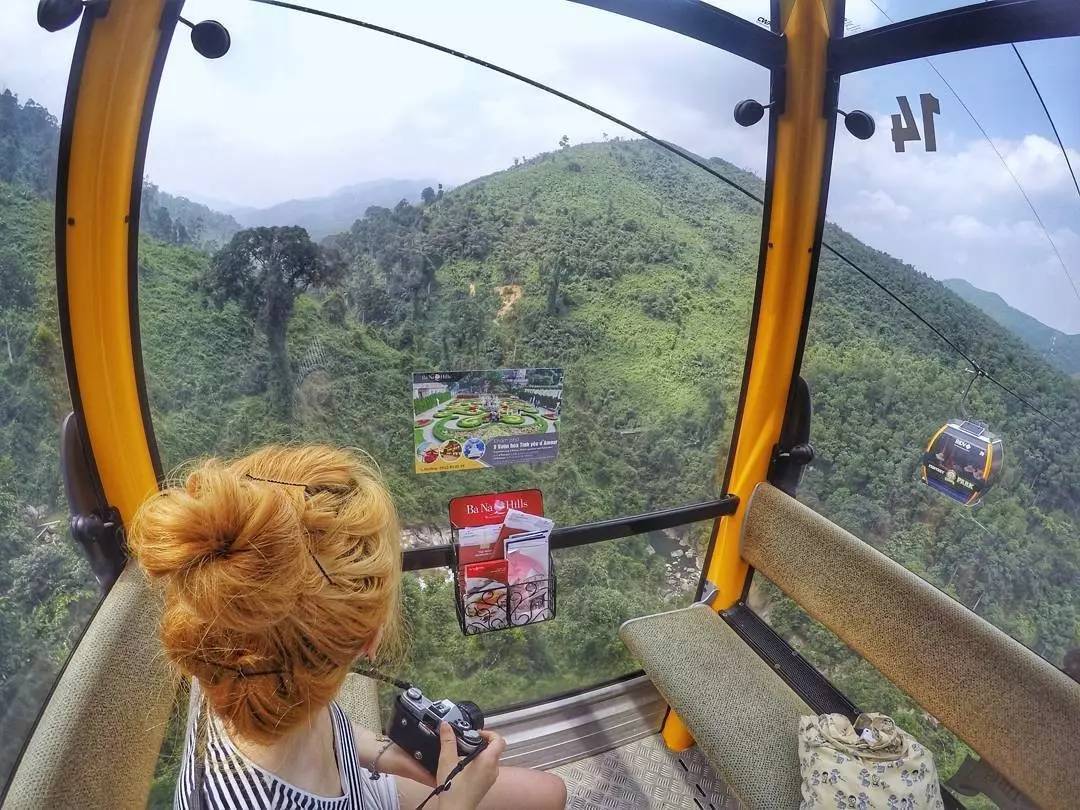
(263, 270)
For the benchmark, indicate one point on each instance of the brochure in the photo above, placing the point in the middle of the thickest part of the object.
(478, 544)
(527, 557)
(485, 589)
(517, 522)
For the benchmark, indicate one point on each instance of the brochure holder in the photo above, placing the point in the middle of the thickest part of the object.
(503, 606)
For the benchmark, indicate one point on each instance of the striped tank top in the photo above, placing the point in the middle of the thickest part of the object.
(231, 781)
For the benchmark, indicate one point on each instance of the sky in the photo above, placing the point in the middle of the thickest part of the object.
(302, 106)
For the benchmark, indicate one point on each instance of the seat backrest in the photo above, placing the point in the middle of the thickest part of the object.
(1019, 712)
(97, 741)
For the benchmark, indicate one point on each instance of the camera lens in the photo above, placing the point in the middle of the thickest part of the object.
(473, 713)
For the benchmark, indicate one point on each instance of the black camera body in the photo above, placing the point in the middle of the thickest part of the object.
(415, 726)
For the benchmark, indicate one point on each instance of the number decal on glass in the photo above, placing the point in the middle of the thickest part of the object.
(905, 129)
(930, 107)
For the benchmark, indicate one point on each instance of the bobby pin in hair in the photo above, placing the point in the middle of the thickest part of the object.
(307, 490)
(274, 481)
(243, 673)
(321, 569)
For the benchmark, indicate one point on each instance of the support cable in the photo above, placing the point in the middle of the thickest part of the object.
(675, 150)
(1053, 126)
(696, 161)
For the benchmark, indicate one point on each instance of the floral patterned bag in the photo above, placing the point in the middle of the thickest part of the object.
(871, 765)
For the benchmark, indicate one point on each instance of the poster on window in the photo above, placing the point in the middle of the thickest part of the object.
(472, 420)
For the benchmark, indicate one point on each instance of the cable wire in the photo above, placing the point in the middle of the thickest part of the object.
(1001, 157)
(974, 365)
(675, 150)
(1053, 126)
(977, 367)
(691, 158)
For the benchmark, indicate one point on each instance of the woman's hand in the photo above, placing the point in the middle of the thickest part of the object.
(475, 780)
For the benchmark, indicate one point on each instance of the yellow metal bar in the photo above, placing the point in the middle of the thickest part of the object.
(105, 131)
(799, 160)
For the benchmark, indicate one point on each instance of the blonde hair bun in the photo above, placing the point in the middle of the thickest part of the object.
(279, 568)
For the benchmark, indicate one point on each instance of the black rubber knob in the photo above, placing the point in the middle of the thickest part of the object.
(211, 39)
(748, 112)
(860, 124)
(473, 713)
(55, 15)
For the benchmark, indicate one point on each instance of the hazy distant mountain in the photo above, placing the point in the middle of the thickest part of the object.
(1061, 349)
(335, 212)
(182, 221)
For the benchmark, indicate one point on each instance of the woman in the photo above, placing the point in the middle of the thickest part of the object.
(280, 570)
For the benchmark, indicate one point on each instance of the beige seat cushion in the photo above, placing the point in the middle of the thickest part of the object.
(741, 713)
(359, 697)
(97, 741)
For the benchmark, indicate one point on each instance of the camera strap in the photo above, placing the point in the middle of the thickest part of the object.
(445, 786)
(375, 675)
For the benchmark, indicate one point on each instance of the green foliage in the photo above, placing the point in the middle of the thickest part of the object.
(1059, 349)
(29, 139)
(430, 401)
(264, 270)
(179, 221)
(46, 590)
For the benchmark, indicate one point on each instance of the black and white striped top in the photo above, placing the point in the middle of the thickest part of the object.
(231, 781)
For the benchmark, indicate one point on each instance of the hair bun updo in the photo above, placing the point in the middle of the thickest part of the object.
(278, 568)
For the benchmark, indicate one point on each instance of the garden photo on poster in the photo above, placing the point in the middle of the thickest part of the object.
(472, 420)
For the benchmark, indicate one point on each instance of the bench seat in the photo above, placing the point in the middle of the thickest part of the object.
(741, 713)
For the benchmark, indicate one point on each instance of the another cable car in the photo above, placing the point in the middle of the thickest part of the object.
(963, 460)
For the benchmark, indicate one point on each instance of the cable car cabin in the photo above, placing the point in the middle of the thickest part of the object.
(676, 322)
(963, 461)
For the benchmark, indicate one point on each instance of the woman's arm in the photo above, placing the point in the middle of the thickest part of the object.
(394, 760)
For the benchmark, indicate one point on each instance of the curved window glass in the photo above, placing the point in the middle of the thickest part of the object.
(47, 592)
(462, 221)
(962, 205)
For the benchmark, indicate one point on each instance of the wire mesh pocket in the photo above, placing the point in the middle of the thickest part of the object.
(499, 607)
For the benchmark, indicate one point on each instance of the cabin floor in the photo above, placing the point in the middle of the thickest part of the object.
(645, 774)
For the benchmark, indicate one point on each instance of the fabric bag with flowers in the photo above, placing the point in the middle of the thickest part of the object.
(869, 765)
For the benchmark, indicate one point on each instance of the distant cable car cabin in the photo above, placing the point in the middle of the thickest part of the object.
(963, 460)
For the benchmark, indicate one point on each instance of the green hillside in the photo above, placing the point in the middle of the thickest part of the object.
(635, 273)
(1060, 349)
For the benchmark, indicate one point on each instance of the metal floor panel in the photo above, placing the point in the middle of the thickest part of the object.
(645, 775)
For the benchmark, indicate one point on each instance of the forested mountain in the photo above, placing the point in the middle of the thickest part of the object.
(335, 212)
(635, 273)
(29, 138)
(1059, 349)
(181, 221)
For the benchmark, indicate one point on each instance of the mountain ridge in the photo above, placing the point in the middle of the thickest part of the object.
(1058, 348)
(332, 213)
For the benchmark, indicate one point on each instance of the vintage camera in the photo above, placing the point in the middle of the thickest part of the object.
(415, 726)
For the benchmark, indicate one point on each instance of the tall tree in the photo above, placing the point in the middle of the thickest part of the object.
(18, 285)
(264, 270)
